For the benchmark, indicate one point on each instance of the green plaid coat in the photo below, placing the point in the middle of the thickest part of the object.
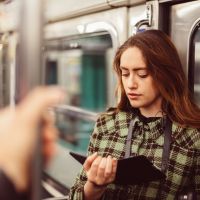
(109, 138)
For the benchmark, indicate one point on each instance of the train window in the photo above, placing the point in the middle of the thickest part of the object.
(79, 64)
(194, 69)
(197, 67)
(74, 132)
(73, 136)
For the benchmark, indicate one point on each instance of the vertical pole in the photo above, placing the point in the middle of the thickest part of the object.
(1, 73)
(30, 45)
(12, 46)
(29, 72)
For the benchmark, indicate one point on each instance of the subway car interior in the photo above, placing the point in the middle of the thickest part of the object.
(75, 44)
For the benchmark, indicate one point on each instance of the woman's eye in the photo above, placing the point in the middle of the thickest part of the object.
(125, 74)
(143, 73)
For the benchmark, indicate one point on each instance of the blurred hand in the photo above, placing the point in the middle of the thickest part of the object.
(100, 171)
(19, 132)
(49, 136)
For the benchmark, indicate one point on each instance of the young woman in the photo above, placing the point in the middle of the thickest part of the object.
(155, 117)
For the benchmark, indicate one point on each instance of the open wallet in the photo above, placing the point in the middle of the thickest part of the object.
(132, 170)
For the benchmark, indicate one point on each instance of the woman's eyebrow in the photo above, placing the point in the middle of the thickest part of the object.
(123, 68)
(134, 69)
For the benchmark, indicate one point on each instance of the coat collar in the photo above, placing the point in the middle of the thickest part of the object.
(182, 136)
(122, 123)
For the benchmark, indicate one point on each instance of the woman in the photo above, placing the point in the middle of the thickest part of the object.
(154, 98)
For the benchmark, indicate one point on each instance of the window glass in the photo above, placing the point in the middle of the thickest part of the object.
(74, 133)
(196, 43)
(74, 136)
(79, 65)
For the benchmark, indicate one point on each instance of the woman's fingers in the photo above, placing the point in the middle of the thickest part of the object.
(114, 169)
(101, 170)
(108, 169)
(89, 161)
(94, 168)
(50, 133)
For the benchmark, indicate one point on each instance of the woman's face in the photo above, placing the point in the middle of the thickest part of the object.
(138, 83)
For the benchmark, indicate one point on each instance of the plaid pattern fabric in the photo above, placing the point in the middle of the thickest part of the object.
(109, 138)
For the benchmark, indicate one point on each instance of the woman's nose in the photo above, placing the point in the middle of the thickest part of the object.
(132, 83)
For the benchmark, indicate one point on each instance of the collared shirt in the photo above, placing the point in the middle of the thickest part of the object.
(183, 172)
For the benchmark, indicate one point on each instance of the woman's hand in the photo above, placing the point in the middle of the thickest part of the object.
(49, 136)
(100, 172)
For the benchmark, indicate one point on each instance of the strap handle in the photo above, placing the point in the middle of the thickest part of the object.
(129, 137)
(167, 142)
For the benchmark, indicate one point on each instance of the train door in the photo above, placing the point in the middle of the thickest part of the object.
(78, 55)
(184, 29)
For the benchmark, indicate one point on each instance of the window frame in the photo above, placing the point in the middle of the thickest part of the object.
(191, 59)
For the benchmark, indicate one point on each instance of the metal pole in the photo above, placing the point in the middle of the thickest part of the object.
(29, 72)
(30, 41)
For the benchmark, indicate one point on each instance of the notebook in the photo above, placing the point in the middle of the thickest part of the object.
(132, 170)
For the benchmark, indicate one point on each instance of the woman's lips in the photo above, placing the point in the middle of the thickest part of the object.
(133, 95)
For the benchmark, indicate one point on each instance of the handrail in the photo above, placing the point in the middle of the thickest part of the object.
(147, 21)
(75, 112)
(139, 24)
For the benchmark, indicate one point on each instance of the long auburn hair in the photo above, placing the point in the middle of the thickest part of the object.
(165, 67)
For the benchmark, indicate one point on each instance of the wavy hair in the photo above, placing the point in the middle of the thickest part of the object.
(164, 65)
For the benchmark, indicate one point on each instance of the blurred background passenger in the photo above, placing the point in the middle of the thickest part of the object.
(18, 135)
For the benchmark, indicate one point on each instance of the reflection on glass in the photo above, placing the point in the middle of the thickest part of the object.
(79, 65)
(197, 67)
(74, 136)
(74, 133)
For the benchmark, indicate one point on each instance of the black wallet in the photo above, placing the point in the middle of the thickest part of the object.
(132, 170)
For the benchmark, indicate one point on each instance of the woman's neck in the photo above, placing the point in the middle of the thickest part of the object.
(153, 110)
(158, 113)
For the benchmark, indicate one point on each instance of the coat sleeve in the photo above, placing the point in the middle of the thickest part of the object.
(77, 190)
